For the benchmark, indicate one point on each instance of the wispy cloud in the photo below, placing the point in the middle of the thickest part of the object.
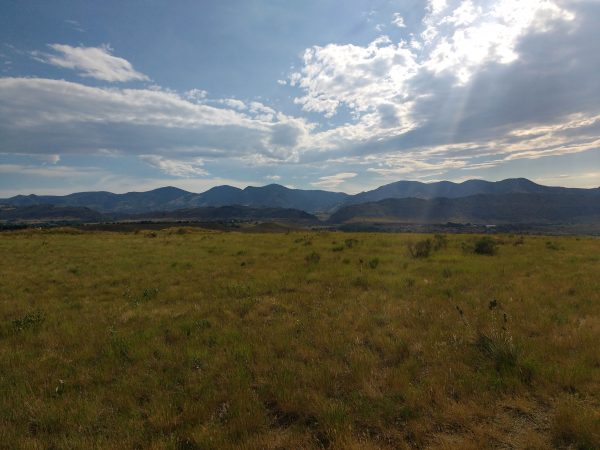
(333, 181)
(179, 168)
(398, 20)
(49, 171)
(75, 25)
(92, 62)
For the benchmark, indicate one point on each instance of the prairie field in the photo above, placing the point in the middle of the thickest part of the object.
(194, 339)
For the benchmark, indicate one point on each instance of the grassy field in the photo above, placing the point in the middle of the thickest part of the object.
(191, 339)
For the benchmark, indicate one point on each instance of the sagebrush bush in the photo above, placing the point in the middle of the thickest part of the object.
(31, 320)
(440, 241)
(350, 242)
(313, 258)
(420, 249)
(485, 246)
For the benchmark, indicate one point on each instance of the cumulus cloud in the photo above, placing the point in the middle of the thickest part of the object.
(458, 39)
(463, 35)
(463, 92)
(354, 76)
(92, 62)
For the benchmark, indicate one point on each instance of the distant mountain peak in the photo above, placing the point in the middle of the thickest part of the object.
(169, 189)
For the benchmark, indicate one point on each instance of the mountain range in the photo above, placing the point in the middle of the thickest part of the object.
(171, 198)
(277, 196)
(515, 200)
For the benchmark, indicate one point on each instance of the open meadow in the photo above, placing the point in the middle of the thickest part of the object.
(194, 339)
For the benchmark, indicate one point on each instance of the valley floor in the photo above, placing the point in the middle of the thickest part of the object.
(193, 339)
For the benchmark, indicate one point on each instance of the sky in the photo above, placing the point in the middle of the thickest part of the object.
(313, 94)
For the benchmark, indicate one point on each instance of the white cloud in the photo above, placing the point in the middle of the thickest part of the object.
(458, 39)
(357, 77)
(414, 95)
(273, 177)
(75, 25)
(234, 103)
(333, 181)
(49, 159)
(462, 36)
(196, 95)
(582, 180)
(56, 116)
(262, 111)
(92, 62)
(189, 168)
(398, 20)
(49, 171)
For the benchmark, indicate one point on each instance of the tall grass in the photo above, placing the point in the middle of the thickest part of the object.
(227, 340)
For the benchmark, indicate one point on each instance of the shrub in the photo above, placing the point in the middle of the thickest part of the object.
(361, 282)
(485, 246)
(499, 348)
(350, 242)
(29, 321)
(149, 294)
(313, 258)
(552, 246)
(374, 263)
(420, 249)
(440, 241)
(519, 241)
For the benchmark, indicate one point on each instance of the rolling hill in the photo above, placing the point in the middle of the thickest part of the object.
(49, 213)
(558, 207)
(229, 212)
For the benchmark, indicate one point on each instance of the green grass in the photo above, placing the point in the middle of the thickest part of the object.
(194, 339)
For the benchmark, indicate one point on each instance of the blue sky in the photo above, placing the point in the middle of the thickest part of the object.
(333, 95)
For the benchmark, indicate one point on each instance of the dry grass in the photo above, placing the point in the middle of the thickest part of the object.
(190, 339)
